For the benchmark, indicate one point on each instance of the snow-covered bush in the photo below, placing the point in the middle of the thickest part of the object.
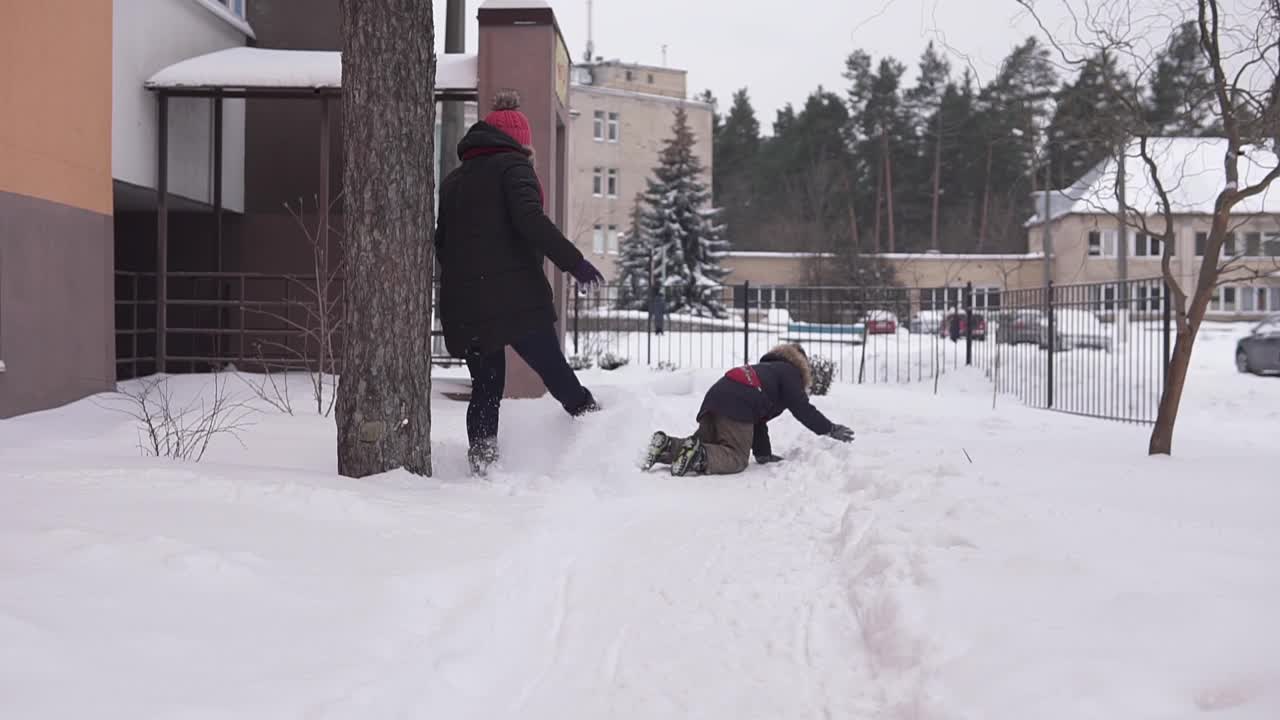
(824, 371)
(666, 366)
(581, 362)
(610, 361)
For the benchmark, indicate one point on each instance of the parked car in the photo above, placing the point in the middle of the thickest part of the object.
(1021, 326)
(1077, 329)
(960, 319)
(926, 322)
(881, 322)
(1259, 352)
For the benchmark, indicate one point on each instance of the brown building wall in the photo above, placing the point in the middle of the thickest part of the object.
(56, 331)
(56, 324)
(55, 101)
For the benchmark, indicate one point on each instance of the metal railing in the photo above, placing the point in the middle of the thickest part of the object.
(1098, 350)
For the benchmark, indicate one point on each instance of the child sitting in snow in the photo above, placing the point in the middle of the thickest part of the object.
(733, 421)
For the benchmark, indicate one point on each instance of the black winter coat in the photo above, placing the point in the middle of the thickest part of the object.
(781, 389)
(491, 237)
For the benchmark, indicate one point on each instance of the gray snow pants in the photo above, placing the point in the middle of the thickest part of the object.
(728, 444)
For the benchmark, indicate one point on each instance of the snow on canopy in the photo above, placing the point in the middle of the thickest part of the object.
(1190, 168)
(247, 67)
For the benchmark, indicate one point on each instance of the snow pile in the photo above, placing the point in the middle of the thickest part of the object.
(954, 562)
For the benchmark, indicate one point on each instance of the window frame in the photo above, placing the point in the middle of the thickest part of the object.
(613, 183)
(611, 239)
(613, 127)
(597, 125)
(597, 182)
(598, 239)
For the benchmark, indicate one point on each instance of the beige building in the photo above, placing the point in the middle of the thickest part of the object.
(1085, 231)
(622, 117)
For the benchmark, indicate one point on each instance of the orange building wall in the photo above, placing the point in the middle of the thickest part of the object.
(55, 101)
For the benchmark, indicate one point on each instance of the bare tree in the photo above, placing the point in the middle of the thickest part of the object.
(1242, 50)
(312, 319)
(169, 429)
(388, 110)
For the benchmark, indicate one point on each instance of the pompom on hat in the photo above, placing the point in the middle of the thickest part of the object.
(506, 116)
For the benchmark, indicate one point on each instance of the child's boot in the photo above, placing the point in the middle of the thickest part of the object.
(659, 447)
(691, 459)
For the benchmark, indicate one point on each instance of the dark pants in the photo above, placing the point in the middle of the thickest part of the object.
(728, 444)
(541, 350)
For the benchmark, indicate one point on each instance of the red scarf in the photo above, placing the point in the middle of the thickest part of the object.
(483, 151)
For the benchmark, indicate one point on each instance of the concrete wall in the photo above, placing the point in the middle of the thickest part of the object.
(645, 123)
(149, 36)
(56, 326)
(644, 79)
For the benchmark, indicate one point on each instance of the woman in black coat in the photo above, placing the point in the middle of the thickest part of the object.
(491, 238)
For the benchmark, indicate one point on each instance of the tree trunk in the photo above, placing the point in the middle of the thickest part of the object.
(888, 188)
(388, 111)
(879, 204)
(937, 178)
(983, 227)
(1179, 363)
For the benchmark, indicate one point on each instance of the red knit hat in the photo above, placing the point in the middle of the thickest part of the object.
(506, 116)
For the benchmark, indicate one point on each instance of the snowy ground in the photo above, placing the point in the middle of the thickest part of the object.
(954, 562)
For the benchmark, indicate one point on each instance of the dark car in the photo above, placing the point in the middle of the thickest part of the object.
(1259, 352)
(957, 321)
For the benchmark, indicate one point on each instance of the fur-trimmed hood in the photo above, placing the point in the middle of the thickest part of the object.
(792, 353)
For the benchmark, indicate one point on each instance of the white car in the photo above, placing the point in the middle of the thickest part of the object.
(927, 322)
(1077, 329)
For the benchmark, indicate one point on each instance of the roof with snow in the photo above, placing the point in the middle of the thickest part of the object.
(247, 68)
(1190, 169)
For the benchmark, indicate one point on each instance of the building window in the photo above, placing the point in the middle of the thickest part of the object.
(1224, 299)
(1253, 244)
(1202, 239)
(614, 131)
(1145, 245)
(611, 188)
(650, 78)
(235, 6)
(1149, 298)
(597, 182)
(1102, 243)
(630, 76)
(943, 298)
(597, 126)
(611, 239)
(1229, 246)
(1275, 299)
(597, 240)
(1271, 245)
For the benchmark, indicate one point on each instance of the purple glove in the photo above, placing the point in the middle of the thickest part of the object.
(586, 274)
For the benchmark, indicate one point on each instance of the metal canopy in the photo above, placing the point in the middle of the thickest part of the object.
(264, 73)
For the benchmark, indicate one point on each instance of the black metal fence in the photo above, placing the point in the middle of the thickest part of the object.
(1098, 350)
(1094, 349)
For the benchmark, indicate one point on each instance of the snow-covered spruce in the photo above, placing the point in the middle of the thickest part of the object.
(678, 238)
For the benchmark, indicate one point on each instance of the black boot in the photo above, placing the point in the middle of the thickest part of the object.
(588, 405)
(483, 454)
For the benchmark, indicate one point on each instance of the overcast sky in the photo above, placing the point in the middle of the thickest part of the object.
(783, 49)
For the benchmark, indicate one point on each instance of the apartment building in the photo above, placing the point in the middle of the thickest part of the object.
(622, 116)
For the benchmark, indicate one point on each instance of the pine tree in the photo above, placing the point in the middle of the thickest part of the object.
(635, 260)
(1181, 93)
(881, 129)
(736, 152)
(682, 227)
(1092, 118)
(924, 106)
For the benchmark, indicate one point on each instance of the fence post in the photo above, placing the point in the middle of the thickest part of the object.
(968, 324)
(1167, 321)
(1052, 344)
(577, 309)
(746, 322)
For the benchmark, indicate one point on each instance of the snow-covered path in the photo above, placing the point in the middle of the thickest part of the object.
(954, 562)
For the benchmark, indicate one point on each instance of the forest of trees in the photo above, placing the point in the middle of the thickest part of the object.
(943, 164)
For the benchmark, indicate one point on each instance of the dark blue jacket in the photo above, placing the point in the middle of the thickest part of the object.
(781, 389)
